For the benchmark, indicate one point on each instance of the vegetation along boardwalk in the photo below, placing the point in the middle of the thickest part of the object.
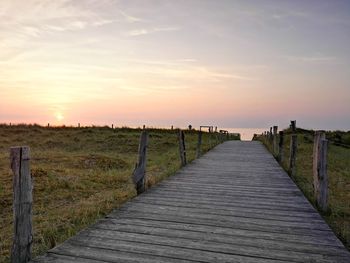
(234, 204)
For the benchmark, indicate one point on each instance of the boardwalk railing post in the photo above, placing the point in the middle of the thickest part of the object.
(293, 154)
(293, 149)
(320, 170)
(322, 195)
(22, 205)
(319, 135)
(275, 128)
(182, 148)
(139, 174)
(280, 147)
(293, 126)
(199, 144)
(270, 135)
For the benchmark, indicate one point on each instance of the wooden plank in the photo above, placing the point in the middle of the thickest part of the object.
(22, 205)
(196, 209)
(231, 208)
(57, 258)
(91, 252)
(190, 242)
(243, 222)
(290, 243)
(232, 232)
(200, 255)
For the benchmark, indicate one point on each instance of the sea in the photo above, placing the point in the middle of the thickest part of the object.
(246, 133)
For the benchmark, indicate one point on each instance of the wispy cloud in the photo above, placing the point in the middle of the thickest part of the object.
(144, 31)
(311, 59)
(129, 18)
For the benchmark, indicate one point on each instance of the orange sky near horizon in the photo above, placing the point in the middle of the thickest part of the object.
(161, 63)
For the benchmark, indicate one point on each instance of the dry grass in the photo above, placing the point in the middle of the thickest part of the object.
(81, 174)
(338, 216)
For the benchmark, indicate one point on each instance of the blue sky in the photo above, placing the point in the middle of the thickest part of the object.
(227, 63)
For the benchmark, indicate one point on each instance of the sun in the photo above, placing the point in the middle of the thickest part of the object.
(59, 116)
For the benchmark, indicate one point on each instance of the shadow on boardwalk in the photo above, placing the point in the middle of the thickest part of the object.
(234, 204)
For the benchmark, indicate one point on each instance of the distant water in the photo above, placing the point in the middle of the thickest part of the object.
(246, 133)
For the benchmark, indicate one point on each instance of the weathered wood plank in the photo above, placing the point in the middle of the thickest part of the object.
(203, 243)
(233, 233)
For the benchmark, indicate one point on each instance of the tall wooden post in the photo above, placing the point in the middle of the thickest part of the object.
(199, 144)
(139, 174)
(22, 205)
(182, 148)
(320, 170)
(275, 128)
(293, 126)
(293, 154)
(319, 135)
(322, 189)
(280, 147)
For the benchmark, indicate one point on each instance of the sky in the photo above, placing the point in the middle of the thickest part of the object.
(227, 63)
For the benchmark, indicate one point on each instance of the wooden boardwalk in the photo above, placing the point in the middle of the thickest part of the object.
(234, 204)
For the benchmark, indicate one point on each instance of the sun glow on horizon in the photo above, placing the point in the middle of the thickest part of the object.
(59, 116)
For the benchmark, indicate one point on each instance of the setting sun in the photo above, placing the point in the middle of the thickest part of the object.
(59, 116)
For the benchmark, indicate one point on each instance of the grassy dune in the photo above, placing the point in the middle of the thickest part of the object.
(338, 216)
(81, 174)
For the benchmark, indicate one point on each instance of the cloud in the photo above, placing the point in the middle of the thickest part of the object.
(129, 18)
(143, 31)
(103, 22)
(311, 59)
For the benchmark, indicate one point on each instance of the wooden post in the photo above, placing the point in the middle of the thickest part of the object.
(22, 205)
(182, 148)
(319, 135)
(172, 127)
(199, 144)
(112, 126)
(320, 170)
(48, 125)
(270, 135)
(280, 147)
(322, 187)
(275, 149)
(139, 174)
(293, 154)
(293, 126)
(78, 125)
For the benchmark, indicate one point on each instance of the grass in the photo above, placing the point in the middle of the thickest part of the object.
(81, 174)
(338, 215)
